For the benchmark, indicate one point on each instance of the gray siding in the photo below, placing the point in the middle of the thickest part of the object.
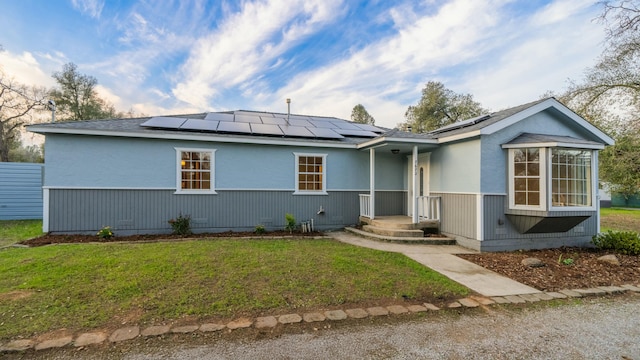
(458, 214)
(391, 203)
(20, 191)
(147, 211)
(500, 234)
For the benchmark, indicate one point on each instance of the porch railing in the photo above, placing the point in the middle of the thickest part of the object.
(428, 208)
(365, 205)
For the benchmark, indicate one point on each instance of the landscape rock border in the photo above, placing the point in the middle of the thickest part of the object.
(474, 301)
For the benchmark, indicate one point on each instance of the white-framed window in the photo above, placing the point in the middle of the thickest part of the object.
(311, 173)
(551, 178)
(195, 171)
(571, 178)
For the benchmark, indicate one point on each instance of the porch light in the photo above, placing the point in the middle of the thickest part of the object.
(395, 151)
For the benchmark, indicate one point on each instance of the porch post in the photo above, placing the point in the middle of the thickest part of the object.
(372, 183)
(415, 184)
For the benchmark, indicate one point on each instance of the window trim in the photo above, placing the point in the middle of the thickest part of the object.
(546, 203)
(543, 180)
(594, 186)
(212, 171)
(297, 173)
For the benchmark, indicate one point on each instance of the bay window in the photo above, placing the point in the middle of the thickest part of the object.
(544, 178)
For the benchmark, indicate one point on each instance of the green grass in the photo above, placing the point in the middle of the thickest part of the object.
(619, 219)
(12, 231)
(91, 286)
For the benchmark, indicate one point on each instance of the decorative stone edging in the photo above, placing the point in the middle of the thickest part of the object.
(132, 332)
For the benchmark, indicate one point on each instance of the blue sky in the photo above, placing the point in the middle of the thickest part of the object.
(170, 57)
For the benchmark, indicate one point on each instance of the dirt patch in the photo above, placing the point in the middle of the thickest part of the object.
(15, 295)
(70, 239)
(558, 272)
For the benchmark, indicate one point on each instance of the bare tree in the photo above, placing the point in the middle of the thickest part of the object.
(18, 103)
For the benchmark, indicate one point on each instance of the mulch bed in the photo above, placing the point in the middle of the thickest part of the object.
(585, 271)
(70, 239)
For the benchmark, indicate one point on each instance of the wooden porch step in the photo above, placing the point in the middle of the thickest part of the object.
(397, 232)
(403, 240)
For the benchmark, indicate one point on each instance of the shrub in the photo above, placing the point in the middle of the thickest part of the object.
(105, 233)
(181, 225)
(624, 242)
(290, 222)
(260, 229)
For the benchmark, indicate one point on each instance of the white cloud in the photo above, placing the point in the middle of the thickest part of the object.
(93, 8)
(472, 47)
(25, 69)
(540, 56)
(387, 76)
(246, 43)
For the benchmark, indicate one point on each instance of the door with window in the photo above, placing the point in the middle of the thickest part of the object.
(422, 177)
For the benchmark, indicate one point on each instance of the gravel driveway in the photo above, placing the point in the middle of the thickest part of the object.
(599, 328)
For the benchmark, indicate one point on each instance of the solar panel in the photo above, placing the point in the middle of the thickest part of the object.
(299, 122)
(248, 119)
(219, 116)
(164, 122)
(270, 124)
(344, 125)
(235, 127)
(361, 133)
(273, 120)
(322, 124)
(198, 124)
(369, 128)
(296, 131)
(325, 133)
(266, 129)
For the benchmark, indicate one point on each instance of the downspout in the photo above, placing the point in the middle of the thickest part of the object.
(372, 183)
(415, 184)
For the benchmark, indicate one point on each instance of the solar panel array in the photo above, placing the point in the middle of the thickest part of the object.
(269, 124)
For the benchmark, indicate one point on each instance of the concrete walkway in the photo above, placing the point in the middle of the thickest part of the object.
(442, 259)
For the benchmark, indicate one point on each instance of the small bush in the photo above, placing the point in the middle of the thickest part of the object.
(181, 225)
(259, 229)
(290, 222)
(105, 233)
(624, 242)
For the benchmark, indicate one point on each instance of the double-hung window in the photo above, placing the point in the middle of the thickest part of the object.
(195, 171)
(551, 178)
(311, 174)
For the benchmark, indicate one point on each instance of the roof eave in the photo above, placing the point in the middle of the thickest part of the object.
(376, 142)
(192, 137)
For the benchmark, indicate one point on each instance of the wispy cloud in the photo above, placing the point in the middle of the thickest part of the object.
(247, 42)
(391, 71)
(93, 8)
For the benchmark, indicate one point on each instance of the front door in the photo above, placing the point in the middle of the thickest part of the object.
(422, 177)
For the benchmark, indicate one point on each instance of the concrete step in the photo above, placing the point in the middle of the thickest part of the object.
(400, 222)
(393, 232)
(403, 240)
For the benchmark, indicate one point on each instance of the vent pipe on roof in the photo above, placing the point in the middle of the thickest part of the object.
(288, 109)
(52, 106)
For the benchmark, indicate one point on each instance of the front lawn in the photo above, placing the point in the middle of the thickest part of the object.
(619, 219)
(12, 231)
(105, 285)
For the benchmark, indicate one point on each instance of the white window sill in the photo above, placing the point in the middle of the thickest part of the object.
(195, 192)
(310, 193)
